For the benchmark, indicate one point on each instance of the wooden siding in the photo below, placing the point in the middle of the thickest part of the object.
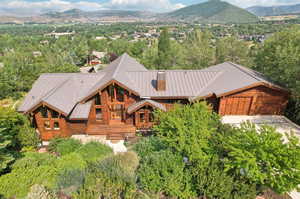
(260, 100)
(50, 133)
(255, 101)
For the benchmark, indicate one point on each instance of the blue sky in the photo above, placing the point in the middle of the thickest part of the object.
(39, 6)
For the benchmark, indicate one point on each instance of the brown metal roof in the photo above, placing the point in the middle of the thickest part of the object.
(65, 91)
(81, 111)
(140, 104)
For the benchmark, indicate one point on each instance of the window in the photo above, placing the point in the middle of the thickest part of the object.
(54, 114)
(111, 92)
(120, 94)
(56, 126)
(47, 125)
(99, 115)
(98, 100)
(142, 118)
(44, 112)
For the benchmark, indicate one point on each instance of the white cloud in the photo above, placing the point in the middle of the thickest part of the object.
(23, 7)
(38, 7)
(248, 3)
(154, 5)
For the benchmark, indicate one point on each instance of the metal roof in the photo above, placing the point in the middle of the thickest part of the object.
(81, 111)
(179, 83)
(65, 91)
(140, 104)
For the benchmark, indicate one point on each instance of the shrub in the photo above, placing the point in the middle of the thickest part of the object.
(28, 137)
(33, 169)
(211, 181)
(70, 180)
(187, 129)
(148, 145)
(164, 172)
(64, 146)
(94, 151)
(260, 157)
(15, 134)
(121, 166)
(39, 192)
(113, 177)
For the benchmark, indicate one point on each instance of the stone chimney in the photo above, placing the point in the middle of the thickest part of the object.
(161, 82)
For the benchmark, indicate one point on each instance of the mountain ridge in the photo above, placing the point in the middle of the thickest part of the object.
(263, 11)
(212, 11)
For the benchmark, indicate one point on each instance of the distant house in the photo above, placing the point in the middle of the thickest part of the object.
(44, 42)
(91, 69)
(37, 53)
(59, 34)
(95, 58)
(118, 101)
(100, 38)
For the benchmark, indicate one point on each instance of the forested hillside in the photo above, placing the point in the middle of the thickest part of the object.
(274, 10)
(213, 11)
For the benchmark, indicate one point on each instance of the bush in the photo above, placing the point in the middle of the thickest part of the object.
(187, 129)
(39, 192)
(64, 146)
(94, 151)
(113, 177)
(148, 145)
(33, 169)
(261, 157)
(211, 181)
(164, 172)
(15, 134)
(70, 180)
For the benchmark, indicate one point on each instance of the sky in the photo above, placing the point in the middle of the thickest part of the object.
(41, 6)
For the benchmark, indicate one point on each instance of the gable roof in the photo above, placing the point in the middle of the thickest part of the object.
(134, 107)
(67, 91)
(233, 78)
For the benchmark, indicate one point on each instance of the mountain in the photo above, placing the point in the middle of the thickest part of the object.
(274, 10)
(100, 14)
(213, 11)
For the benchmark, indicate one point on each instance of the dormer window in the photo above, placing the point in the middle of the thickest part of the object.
(98, 100)
(54, 114)
(44, 112)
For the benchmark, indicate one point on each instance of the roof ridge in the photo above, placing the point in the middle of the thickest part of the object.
(115, 72)
(209, 83)
(243, 69)
(50, 93)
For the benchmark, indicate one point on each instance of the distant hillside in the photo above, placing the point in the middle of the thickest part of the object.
(274, 10)
(76, 13)
(213, 11)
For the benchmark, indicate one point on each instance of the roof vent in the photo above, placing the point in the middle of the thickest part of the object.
(161, 82)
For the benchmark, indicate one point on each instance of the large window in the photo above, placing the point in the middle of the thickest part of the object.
(44, 112)
(142, 117)
(98, 100)
(54, 114)
(99, 114)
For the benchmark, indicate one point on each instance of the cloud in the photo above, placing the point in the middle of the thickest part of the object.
(23, 7)
(26, 7)
(248, 3)
(153, 5)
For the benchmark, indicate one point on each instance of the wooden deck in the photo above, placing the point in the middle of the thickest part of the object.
(113, 132)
